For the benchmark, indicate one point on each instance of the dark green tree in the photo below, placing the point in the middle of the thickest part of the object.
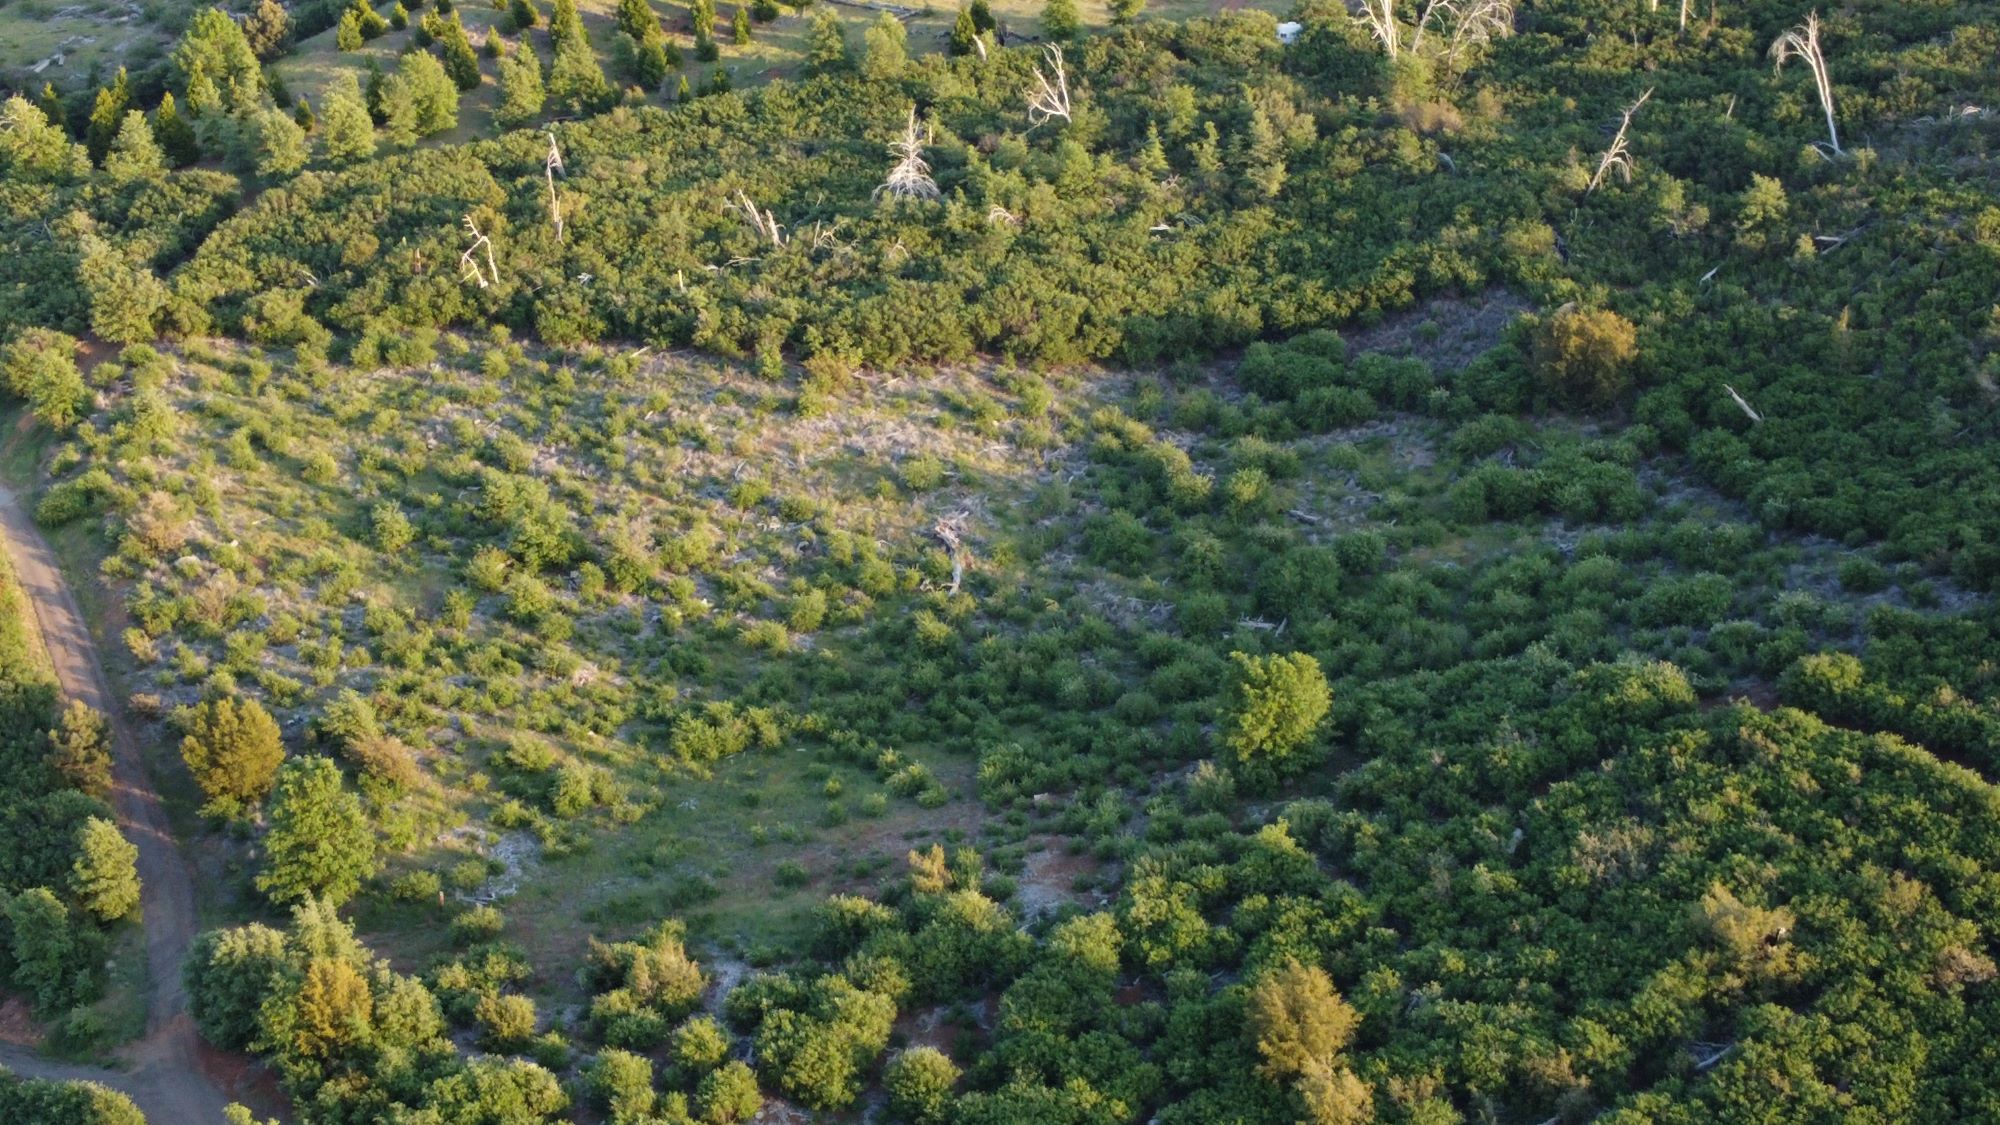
(320, 844)
(107, 116)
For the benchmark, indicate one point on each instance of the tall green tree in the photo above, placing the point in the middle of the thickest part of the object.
(565, 23)
(576, 82)
(53, 959)
(126, 299)
(277, 143)
(826, 42)
(1278, 702)
(320, 844)
(105, 876)
(701, 15)
(268, 29)
(521, 92)
(215, 65)
(134, 154)
(963, 34)
(33, 149)
(233, 750)
(80, 744)
(1061, 20)
(884, 51)
(635, 17)
(347, 133)
(176, 136)
(40, 367)
(107, 115)
(461, 62)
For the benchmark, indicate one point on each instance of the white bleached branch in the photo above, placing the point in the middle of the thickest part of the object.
(550, 167)
(911, 177)
(470, 259)
(1745, 407)
(1050, 97)
(1802, 43)
(1618, 157)
(763, 222)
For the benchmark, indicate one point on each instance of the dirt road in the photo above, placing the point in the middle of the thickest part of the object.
(169, 1070)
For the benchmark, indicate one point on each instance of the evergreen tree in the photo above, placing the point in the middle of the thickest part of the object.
(51, 104)
(105, 876)
(684, 92)
(33, 149)
(125, 298)
(268, 28)
(702, 15)
(347, 37)
(576, 83)
(80, 745)
(432, 95)
(739, 26)
(107, 116)
(493, 46)
(826, 43)
(214, 57)
(134, 153)
(521, 93)
(303, 116)
(963, 32)
(175, 135)
(52, 964)
(460, 61)
(277, 144)
(718, 82)
(1061, 20)
(982, 17)
(39, 365)
(348, 135)
(233, 751)
(1126, 11)
(399, 17)
(1279, 701)
(635, 17)
(521, 14)
(565, 23)
(649, 60)
(320, 844)
(370, 21)
(884, 48)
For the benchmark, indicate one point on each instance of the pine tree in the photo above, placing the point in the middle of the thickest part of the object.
(1061, 20)
(649, 60)
(522, 14)
(39, 365)
(684, 92)
(32, 147)
(302, 115)
(399, 17)
(565, 24)
(432, 94)
(348, 134)
(739, 27)
(460, 61)
(268, 28)
(175, 135)
(702, 14)
(372, 25)
(1126, 11)
(635, 17)
(233, 751)
(982, 17)
(576, 82)
(213, 54)
(963, 32)
(125, 298)
(320, 844)
(718, 81)
(521, 93)
(51, 104)
(277, 144)
(105, 875)
(826, 43)
(80, 745)
(884, 49)
(107, 116)
(134, 153)
(493, 46)
(347, 37)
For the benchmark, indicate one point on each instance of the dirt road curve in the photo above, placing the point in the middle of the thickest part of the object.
(168, 1070)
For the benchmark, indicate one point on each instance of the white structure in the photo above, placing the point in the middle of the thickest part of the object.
(1288, 32)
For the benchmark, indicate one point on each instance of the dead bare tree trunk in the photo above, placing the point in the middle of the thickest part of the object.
(1618, 157)
(1802, 43)
(911, 177)
(948, 532)
(470, 259)
(1050, 97)
(763, 222)
(553, 165)
(1379, 17)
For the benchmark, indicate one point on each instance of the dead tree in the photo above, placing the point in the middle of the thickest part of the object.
(1464, 24)
(911, 177)
(470, 259)
(1618, 158)
(948, 532)
(553, 165)
(1379, 17)
(1050, 97)
(1686, 6)
(763, 222)
(1802, 43)
(1745, 407)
